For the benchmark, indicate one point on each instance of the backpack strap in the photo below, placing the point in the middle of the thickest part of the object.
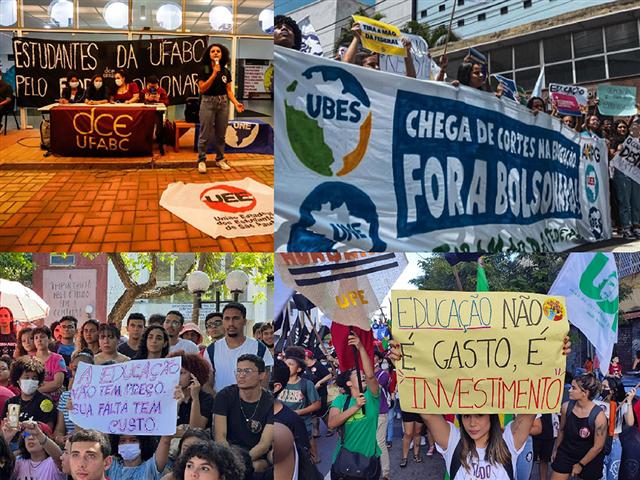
(592, 417)
(341, 427)
(211, 351)
(262, 348)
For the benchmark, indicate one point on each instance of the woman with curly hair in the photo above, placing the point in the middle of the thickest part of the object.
(24, 343)
(196, 408)
(209, 461)
(214, 84)
(154, 343)
(27, 373)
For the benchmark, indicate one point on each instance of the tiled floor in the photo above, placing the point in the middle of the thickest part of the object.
(108, 209)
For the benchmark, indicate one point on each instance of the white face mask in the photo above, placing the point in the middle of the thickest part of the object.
(29, 387)
(129, 451)
(74, 84)
(385, 365)
(118, 82)
(97, 84)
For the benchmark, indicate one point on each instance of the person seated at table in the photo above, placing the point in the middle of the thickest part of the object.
(73, 92)
(153, 92)
(98, 92)
(126, 92)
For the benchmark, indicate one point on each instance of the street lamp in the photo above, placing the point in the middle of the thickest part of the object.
(198, 283)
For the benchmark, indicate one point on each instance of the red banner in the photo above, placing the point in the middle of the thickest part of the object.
(86, 131)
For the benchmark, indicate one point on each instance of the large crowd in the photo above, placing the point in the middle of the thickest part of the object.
(224, 408)
(625, 192)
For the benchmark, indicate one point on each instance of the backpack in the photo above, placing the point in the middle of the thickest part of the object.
(456, 463)
(169, 132)
(211, 350)
(592, 425)
(45, 135)
(192, 110)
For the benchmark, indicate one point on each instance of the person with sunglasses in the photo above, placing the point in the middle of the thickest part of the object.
(213, 324)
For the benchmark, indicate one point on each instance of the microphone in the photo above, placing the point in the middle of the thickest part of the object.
(217, 61)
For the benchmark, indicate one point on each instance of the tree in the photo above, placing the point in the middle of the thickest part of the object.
(130, 268)
(346, 35)
(434, 37)
(18, 267)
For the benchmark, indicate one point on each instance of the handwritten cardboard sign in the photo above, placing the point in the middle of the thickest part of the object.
(380, 37)
(489, 352)
(627, 160)
(616, 100)
(131, 398)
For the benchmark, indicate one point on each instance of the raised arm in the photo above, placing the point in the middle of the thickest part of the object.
(520, 427)
(205, 85)
(367, 368)
(352, 51)
(439, 428)
(409, 67)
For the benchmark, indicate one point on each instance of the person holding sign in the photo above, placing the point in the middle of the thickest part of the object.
(139, 457)
(583, 430)
(356, 412)
(479, 447)
(215, 91)
(39, 455)
(627, 190)
(73, 92)
(126, 92)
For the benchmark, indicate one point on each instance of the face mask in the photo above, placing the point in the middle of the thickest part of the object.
(385, 365)
(605, 392)
(29, 387)
(119, 82)
(97, 84)
(129, 451)
(74, 84)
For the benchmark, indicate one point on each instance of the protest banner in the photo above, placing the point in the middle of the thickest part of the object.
(131, 398)
(383, 162)
(347, 287)
(380, 37)
(479, 352)
(419, 54)
(569, 98)
(627, 160)
(240, 208)
(616, 100)
(42, 65)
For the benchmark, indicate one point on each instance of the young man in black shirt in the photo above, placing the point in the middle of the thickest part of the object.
(135, 328)
(243, 413)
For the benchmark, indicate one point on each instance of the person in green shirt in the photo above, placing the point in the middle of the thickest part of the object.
(359, 427)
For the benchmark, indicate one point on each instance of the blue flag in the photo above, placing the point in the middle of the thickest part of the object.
(510, 90)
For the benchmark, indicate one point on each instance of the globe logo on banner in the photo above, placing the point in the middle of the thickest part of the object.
(591, 183)
(553, 310)
(328, 120)
(227, 198)
(241, 134)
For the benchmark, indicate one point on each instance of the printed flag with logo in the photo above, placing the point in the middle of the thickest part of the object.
(589, 281)
(232, 209)
(347, 287)
(310, 40)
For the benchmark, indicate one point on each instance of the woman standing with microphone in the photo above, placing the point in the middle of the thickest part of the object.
(215, 88)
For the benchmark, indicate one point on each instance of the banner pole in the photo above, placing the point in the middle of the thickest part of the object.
(357, 361)
(457, 277)
(320, 344)
(453, 11)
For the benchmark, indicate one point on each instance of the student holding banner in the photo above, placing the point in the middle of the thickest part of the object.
(215, 88)
(286, 32)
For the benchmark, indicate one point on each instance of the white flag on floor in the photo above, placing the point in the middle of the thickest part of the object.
(239, 208)
(589, 281)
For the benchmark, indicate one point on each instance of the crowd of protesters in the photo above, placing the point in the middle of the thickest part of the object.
(624, 192)
(224, 424)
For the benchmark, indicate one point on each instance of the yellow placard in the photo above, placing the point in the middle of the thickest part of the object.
(380, 37)
(479, 352)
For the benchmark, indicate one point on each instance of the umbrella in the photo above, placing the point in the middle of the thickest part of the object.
(25, 304)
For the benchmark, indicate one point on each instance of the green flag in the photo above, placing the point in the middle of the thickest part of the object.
(482, 284)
